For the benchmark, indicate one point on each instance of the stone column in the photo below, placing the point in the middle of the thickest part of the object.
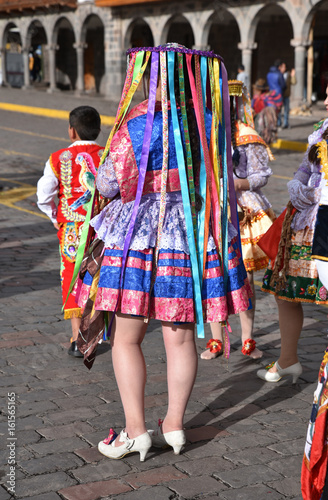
(115, 60)
(26, 64)
(80, 47)
(247, 56)
(52, 66)
(3, 67)
(300, 48)
(204, 48)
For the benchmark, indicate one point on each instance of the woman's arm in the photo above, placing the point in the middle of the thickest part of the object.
(257, 166)
(301, 194)
(47, 188)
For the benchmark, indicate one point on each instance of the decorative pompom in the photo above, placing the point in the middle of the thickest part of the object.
(248, 347)
(214, 345)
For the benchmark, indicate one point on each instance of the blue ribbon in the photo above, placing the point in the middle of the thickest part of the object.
(185, 200)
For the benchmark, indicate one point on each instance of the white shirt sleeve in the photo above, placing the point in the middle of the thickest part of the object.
(46, 192)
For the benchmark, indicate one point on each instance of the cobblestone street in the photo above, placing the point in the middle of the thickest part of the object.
(245, 437)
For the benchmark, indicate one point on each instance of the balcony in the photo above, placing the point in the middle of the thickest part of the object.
(19, 6)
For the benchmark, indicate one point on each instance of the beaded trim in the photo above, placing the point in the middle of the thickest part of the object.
(175, 48)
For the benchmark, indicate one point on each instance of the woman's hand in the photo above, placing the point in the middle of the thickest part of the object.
(241, 184)
(56, 225)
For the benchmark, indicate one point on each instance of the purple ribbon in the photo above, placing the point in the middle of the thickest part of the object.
(144, 156)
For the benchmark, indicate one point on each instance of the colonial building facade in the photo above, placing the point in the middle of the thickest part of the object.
(82, 43)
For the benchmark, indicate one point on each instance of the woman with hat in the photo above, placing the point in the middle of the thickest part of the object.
(166, 250)
(251, 173)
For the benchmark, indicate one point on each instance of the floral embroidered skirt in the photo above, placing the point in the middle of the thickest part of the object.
(303, 284)
(171, 298)
(69, 238)
(251, 230)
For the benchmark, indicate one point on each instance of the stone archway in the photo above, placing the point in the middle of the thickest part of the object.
(94, 53)
(37, 41)
(65, 59)
(179, 30)
(13, 64)
(138, 34)
(273, 34)
(317, 62)
(223, 38)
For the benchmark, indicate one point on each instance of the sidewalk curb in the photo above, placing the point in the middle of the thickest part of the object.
(290, 145)
(48, 112)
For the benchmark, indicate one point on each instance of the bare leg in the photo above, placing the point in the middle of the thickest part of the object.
(247, 320)
(216, 330)
(290, 322)
(130, 370)
(182, 360)
(75, 323)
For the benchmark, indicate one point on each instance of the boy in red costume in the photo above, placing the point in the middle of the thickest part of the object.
(70, 174)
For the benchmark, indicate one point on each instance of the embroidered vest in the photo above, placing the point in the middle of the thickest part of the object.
(71, 182)
(126, 147)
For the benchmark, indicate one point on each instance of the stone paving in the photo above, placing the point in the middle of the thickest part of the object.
(245, 437)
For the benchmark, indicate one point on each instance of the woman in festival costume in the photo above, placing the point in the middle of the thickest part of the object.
(295, 279)
(251, 157)
(163, 250)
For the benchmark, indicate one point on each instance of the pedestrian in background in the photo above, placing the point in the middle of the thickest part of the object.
(277, 82)
(265, 110)
(242, 76)
(290, 79)
(70, 176)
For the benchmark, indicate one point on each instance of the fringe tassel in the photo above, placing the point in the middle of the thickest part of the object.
(72, 313)
(226, 339)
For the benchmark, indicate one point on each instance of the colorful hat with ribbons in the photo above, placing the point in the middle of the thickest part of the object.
(185, 76)
(239, 91)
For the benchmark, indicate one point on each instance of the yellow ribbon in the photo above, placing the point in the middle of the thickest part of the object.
(126, 104)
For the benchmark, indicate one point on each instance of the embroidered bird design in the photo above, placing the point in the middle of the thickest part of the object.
(87, 179)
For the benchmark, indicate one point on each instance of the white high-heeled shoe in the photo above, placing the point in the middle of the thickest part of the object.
(294, 371)
(176, 439)
(140, 444)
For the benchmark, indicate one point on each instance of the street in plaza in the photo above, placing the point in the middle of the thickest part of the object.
(245, 437)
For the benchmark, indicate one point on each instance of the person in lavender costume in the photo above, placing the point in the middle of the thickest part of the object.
(303, 283)
(251, 173)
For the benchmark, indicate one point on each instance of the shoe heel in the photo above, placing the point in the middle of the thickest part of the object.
(177, 448)
(143, 454)
(295, 379)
